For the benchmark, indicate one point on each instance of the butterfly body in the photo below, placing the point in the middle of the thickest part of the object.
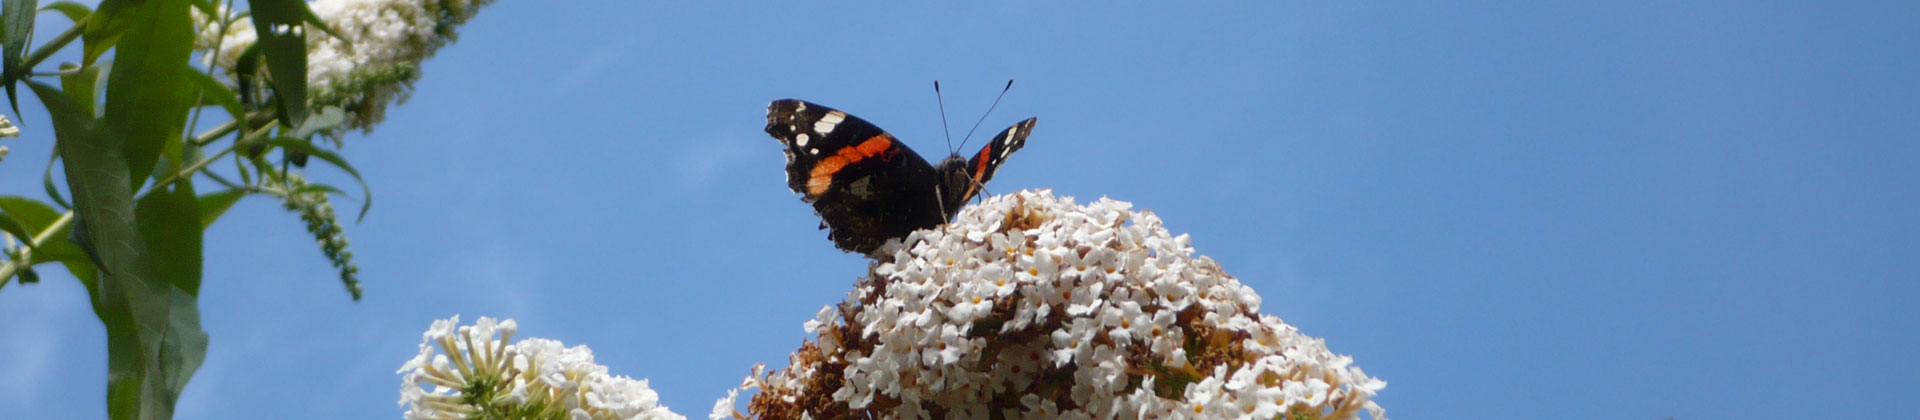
(868, 187)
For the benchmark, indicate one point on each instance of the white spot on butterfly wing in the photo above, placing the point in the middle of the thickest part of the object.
(800, 139)
(813, 150)
(1007, 149)
(827, 122)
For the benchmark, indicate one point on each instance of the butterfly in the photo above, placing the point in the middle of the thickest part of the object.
(868, 187)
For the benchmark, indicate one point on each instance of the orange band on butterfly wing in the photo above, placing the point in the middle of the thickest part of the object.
(821, 177)
(979, 172)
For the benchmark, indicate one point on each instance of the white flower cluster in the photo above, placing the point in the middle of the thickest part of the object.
(375, 60)
(480, 376)
(1029, 306)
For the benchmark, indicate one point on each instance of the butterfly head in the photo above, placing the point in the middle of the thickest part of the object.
(957, 184)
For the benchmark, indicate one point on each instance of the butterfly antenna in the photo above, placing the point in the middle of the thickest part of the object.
(983, 117)
(943, 114)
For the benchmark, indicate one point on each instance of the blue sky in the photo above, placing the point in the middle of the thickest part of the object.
(1505, 210)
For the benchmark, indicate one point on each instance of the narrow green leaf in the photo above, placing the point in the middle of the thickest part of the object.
(103, 208)
(32, 215)
(169, 221)
(46, 180)
(326, 119)
(153, 336)
(79, 87)
(218, 94)
(170, 225)
(313, 19)
(279, 25)
(319, 188)
(35, 217)
(12, 227)
(74, 11)
(213, 205)
(79, 84)
(59, 249)
(18, 20)
(302, 146)
(104, 28)
(246, 174)
(148, 90)
(184, 345)
(246, 70)
(92, 159)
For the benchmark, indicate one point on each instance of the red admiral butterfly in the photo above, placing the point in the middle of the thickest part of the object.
(867, 186)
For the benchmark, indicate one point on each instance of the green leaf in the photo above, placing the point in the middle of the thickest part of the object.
(32, 215)
(317, 187)
(302, 146)
(313, 19)
(104, 28)
(327, 119)
(153, 337)
(279, 25)
(80, 84)
(35, 217)
(12, 227)
(169, 221)
(18, 20)
(27, 276)
(148, 90)
(145, 377)
(215, 204)
(103, 205)
(74, 11)
(84, 147)
(246, 69)
(79, 87)
(184, 345)
(219, 94)
(46, 180)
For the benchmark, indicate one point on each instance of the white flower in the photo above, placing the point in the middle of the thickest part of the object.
(374, 61)
(723, 409)
(1097, 308)
(7, 129)
(480, 373)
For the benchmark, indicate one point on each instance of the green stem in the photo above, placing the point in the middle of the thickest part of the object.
(212, 63)
(188, 171)
(54, 45)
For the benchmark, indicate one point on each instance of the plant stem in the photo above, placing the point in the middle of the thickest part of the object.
(54, 45)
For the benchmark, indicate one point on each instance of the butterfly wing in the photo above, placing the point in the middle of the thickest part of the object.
(866, 186)
(984, 163)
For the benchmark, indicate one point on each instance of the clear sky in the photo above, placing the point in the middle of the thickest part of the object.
(1695, 210)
